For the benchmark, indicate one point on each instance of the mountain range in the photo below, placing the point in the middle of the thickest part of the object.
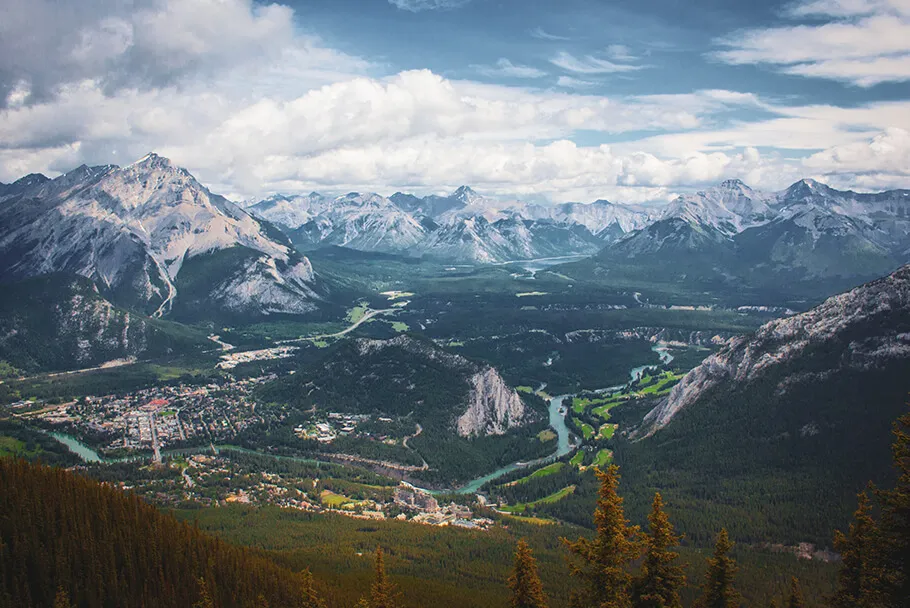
(154, 240)
(728, 231)
(147, 232)
(463, 226)
(733, 234)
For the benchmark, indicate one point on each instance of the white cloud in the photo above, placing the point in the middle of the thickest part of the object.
(574, 83)
(590, 64)
(888, 154)
(620, 52)
(860, 42)
(234, 92)
(541, 34)
(506, 68)
(416, 6)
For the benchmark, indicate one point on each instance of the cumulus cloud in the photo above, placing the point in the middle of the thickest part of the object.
(234, 92)
(590, 64)
(506, 68)
(883, 161)
(416, 6)
(860, 42)
(148, 43)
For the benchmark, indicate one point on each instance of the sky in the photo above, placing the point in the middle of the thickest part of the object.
(561, 100)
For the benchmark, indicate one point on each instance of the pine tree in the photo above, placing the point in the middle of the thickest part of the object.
(527, 590)
(718, 590)
(62, 599)
(602, 567)
(895, 520)
(308, 596)
(858, 581)
(205, 597)
(661, 577)
(383, 593)
(795, 599)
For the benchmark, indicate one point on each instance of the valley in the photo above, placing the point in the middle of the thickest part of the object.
(390, 373)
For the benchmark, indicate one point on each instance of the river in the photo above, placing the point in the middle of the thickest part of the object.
(557, 417)
(536, 265)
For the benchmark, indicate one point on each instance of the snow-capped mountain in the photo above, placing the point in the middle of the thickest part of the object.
(463, 226)
(290, 212)
(730, 207)
(732, 232)
(598, 217)
(131, 230)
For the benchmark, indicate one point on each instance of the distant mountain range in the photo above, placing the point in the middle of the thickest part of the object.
(153, 239)
(463, 226)
(735, 235)
(809, 229)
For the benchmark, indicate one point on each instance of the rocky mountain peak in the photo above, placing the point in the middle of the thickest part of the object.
(32, 179)
(153, 161)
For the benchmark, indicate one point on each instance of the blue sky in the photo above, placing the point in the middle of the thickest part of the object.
(563, 100)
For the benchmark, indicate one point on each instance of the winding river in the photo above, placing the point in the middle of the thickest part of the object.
(557, 414)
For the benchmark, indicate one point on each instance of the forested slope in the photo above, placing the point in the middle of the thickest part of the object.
(62, 534)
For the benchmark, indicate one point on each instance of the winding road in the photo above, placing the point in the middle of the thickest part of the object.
(366, 317)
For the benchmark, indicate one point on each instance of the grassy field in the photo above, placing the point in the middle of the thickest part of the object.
(587, 430)
(659, 385)
(521, 389)
(546, 435)
(554, 497)
(356, 313)
(10, 446)
(542, 472)
(333, 500)
(577, 459)
(603, 458)
(399, 326)
(606, 431)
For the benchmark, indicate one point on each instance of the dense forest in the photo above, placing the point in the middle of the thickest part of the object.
(66, 540)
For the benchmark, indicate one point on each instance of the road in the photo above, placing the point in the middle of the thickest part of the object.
(366, 317)
(404, 442)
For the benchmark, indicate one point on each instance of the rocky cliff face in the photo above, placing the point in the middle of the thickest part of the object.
(861, 329)
(493, 406)
(131, 230)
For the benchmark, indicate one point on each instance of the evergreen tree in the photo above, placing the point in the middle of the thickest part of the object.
(383, 593)
(795, 599)
(661, 577)
(527, 590)
(62, 599)
(308, 596)
(895, 521)
(718, 590)
(602, 565)
(205, 597)
(858, 581)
